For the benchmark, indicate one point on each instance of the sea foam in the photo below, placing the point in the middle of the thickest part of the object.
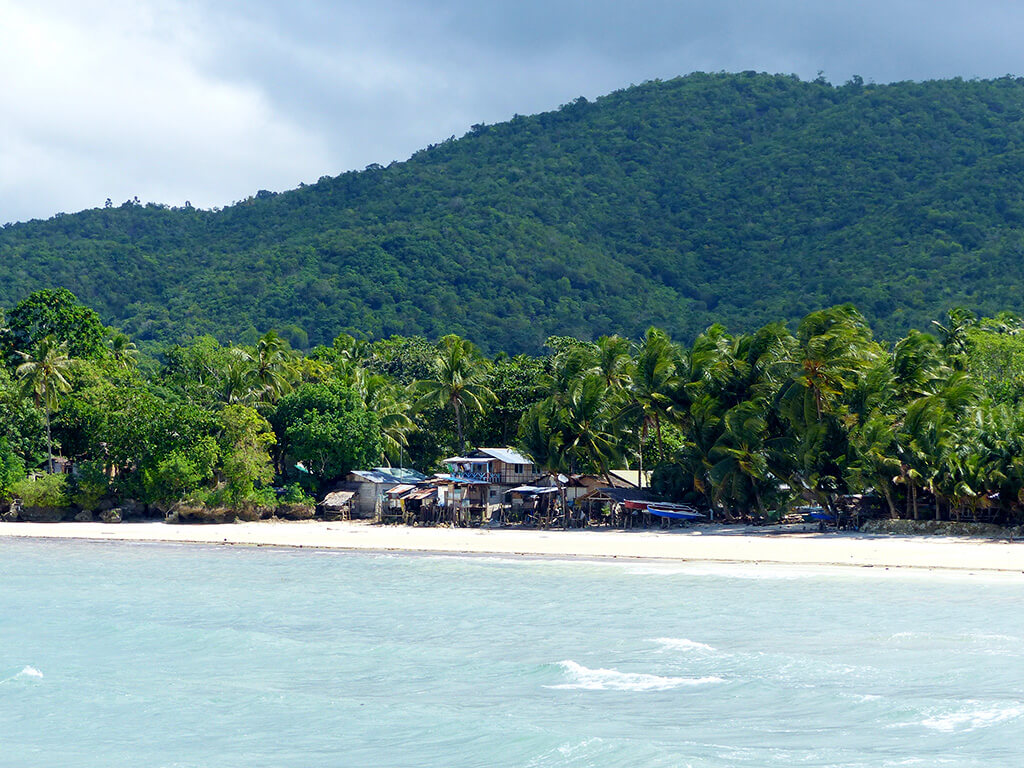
(978, 717)
(584, 678)
(680, 644)
(26, 672)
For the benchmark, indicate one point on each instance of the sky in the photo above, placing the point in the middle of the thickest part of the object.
(210, 101)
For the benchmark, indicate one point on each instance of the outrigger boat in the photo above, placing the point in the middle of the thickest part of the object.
(666, 510)
(675, 512)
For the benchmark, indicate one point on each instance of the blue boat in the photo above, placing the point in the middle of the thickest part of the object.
(675, 512)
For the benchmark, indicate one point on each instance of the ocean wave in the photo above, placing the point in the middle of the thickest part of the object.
(971, 719)
(680, 644)
(26, 672)
(584, 678)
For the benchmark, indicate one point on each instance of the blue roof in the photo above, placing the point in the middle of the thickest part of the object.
(391, 475)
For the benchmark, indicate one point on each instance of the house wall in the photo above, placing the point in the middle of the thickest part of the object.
(365, 503)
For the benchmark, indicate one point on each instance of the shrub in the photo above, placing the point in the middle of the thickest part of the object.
(12, 468)
(44, 491)
(90, 485)
(295, 494)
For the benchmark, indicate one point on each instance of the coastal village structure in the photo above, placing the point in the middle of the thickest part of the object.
(371, 488)
(476, 484)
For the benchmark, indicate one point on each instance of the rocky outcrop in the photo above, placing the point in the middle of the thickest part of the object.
(196, 513)
(941, 528)
(84, 517)
(43, 514)
(113, 515)
(296, 511)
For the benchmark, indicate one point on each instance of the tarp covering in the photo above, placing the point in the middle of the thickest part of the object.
(461, 480)
(532, 489)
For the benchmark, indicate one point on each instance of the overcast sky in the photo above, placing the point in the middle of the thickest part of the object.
(175, 100)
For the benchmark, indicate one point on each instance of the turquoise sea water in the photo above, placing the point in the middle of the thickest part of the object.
(148, 655)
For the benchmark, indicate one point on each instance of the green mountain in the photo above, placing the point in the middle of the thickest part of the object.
(736, 198)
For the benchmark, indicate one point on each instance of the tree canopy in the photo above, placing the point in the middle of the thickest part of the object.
(743, 199)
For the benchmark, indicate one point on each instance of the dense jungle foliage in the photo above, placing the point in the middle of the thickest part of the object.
(734, 198)
(747, 424)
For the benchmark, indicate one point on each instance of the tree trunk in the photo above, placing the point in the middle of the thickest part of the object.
(640, 446)
(913, 496)
(893, 514)
(49, 442)
(458, 425)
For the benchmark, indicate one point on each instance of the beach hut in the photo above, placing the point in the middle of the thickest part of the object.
(623, 506)
(373, 484)
(337, 505)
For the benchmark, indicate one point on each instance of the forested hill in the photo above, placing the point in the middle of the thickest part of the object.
(737, 198)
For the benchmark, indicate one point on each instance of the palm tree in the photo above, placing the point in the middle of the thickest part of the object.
(457, 382)
(44, 377)
(612, 361)
(380, 396)
(649, 391)
(588, 438)
(834, 348)
(876, 460)
(122, 350)
(269, 370)
(740, 460)
(953, 335)
(273, 367)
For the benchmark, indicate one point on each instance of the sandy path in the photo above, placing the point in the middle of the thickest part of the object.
(705, 544)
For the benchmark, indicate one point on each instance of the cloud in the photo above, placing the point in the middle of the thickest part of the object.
(176, 100)
(110, 102)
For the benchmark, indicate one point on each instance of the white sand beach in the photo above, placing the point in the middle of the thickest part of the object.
(725, 544)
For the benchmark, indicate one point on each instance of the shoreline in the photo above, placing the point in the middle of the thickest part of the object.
(704, 544)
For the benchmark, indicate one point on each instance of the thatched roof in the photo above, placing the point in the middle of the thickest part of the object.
(338, 499)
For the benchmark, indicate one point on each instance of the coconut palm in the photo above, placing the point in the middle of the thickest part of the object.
(122, 350)
(44, 375)
(612, 361)
(649, 400)
(740, 459)
(875, 459)
(269, 371)
(382, 398)
(953, 335)
(457, 382)
(587, 426)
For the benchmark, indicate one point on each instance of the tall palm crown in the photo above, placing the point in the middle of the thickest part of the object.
(456, 382)
(44, 375)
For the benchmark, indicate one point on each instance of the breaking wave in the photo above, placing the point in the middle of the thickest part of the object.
(584, 678)
(680, 644)
(26, 672)
(970, 719)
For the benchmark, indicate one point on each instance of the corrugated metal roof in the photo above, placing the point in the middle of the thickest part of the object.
(403, 473)
(398, 490)
(390, 475)
(506, 455)
(461, 480)
(423, 493)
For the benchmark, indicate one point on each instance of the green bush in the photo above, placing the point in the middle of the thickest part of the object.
(295, 494)
(44, 491)
(90, 485)
(12, 468)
